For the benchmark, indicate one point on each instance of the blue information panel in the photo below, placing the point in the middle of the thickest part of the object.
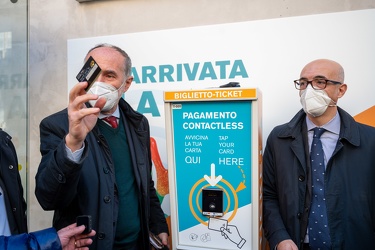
(212, 151)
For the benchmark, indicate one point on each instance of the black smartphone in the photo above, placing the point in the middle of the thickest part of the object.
(85, 220)
(156, 242)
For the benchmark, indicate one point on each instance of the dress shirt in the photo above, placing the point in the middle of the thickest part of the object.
(329, 140)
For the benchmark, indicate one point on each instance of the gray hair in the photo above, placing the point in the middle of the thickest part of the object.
(128, 61)
(341, 74)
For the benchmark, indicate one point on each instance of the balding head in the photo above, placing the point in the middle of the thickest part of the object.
(324, 67)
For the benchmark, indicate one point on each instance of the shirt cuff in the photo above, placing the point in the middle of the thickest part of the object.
(76, 155)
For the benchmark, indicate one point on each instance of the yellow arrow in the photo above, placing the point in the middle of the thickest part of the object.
(240, 187)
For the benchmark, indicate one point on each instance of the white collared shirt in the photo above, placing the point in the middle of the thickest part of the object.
(329, 138)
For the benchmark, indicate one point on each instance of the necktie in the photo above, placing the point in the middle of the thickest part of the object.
(318, 224)
(112, 120)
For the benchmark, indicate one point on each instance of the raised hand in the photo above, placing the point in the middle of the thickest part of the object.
(82, 119)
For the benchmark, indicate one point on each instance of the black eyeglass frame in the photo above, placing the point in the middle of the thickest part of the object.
(297, 84)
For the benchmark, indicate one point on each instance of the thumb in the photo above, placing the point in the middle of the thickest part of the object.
(223, 232)
(72, 230)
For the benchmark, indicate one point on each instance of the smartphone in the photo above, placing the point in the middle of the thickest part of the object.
(85, 220)
(89, 72)
(156, 242)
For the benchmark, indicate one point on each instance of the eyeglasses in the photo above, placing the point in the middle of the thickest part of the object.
(316, 83)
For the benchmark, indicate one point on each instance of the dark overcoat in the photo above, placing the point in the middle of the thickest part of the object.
(349, 184)
(10, 182)
(89, 186)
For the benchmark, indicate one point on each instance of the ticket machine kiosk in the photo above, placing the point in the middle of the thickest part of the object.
(214, 148)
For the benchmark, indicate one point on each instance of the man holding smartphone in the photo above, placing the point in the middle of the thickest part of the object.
(95, 164)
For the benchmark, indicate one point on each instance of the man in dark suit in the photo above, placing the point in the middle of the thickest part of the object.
(339, 189)
(91, 167)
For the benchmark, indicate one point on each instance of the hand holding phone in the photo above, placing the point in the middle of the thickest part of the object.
(85, 220)
(156, 242)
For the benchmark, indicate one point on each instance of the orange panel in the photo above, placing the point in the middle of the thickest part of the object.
(366, 117)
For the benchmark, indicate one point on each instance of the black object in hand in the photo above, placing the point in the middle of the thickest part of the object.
(156, 242)
(85, 220)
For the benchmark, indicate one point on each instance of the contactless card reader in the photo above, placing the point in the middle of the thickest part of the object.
(212, 202)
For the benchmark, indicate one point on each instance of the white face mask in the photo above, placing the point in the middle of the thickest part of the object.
(107, 91)
(315, 102)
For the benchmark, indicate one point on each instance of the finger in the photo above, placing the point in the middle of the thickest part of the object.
(78, 96)
(85, 236)
(85, 112)
(78, 89)
(68, 228)
(164, 238)
(165, 242)
(82, 243)
(76, 230)
(81, 113)
(100, 103)
(79, 101)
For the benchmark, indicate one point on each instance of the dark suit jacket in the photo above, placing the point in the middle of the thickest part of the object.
(10, 182)
(89, 186)
(349, 179)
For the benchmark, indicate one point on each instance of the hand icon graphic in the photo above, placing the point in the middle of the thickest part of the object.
(231, 233)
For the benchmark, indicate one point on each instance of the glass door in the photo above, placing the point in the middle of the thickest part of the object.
(13, 77)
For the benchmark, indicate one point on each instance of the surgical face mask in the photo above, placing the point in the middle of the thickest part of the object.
(107, 91)
(315, 102)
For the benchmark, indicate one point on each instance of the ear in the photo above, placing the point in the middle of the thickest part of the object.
(128, 83)
(342, 89)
